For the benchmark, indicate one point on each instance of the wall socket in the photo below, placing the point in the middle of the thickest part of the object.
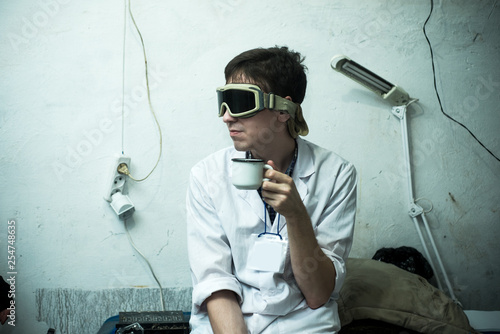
(116, 192)
(116, 180)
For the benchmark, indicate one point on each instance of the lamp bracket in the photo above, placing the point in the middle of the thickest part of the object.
(415, 210)
(399, 111)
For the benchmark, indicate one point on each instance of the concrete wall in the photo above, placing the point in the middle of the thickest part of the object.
(60, 126)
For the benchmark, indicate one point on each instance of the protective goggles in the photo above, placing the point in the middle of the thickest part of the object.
(246, 100)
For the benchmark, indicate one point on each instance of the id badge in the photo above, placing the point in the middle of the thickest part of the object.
(267, 253)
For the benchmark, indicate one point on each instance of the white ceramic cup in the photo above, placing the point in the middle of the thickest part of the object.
(248, 174)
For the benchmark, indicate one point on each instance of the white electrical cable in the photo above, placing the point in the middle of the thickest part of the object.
(149, 95)
(147, 89)
(123, 74)
(162, 302)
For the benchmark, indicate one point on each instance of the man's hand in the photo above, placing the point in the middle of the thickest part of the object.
(281, 194)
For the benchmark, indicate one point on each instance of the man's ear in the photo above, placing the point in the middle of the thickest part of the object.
(283, 117)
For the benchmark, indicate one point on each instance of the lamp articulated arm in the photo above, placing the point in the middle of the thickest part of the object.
(415, 211)
(400, 99)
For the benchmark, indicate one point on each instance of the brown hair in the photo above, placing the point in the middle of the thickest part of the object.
(276, 70)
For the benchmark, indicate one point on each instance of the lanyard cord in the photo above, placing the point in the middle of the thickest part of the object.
(265, 224)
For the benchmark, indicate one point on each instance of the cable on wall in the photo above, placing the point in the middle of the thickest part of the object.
(162, 302)
(437, 93)
(124, 169)
(123, 75)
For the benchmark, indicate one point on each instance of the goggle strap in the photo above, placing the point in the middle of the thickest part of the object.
(275, 102)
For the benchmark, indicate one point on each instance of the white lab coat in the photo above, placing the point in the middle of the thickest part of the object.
(221, 219)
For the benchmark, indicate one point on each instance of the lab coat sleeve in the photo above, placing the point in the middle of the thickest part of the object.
(208, 247)
(335, 227)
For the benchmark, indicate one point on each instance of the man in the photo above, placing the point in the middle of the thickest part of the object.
(308, 205)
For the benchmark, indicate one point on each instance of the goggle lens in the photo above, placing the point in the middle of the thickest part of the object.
(238, 101)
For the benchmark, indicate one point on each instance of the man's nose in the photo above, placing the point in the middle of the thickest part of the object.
(227, 118)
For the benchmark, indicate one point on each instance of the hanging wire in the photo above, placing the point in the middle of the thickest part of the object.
(126, 170)
(437, 93)
(123, 74)
(162, 301)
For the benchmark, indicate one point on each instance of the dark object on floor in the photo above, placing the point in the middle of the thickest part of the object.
(407, 258)
(381, 291)
(368, 326)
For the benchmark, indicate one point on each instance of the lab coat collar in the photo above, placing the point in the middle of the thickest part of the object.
(304, 167)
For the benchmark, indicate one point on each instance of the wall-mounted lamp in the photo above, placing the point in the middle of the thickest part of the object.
(394, 94)
(400, 101)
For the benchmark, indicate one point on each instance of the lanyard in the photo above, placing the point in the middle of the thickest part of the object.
(265, 223)
(268, 208)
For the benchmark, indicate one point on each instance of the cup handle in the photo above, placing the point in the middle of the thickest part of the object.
(266, 166)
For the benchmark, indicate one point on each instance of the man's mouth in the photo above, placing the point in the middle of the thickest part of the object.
(234, 132)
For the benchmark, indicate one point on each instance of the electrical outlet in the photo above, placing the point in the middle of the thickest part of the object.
(115, 191)
(116, 180)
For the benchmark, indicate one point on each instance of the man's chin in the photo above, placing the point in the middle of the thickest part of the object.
(240, 146)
